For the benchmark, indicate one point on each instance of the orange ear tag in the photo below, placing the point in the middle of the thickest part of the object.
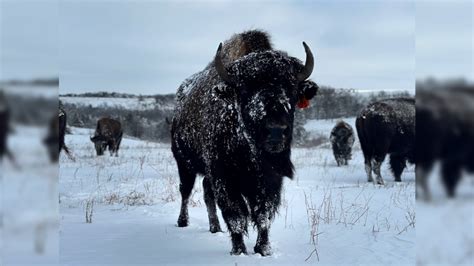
(303, 103)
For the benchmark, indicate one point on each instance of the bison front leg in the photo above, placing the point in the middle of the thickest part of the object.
(111, 147)
(263, 244)
(235, 213)
(263, 211)
(117, 146)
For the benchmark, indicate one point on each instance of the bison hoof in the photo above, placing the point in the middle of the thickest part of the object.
(380, 182)
(183, 222)
(264, 250)
(238, 251)
(214, 228)
(398, 180)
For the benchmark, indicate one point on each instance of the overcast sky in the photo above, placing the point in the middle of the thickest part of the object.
(152, 46)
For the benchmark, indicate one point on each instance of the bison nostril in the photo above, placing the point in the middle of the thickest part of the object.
(276, 132)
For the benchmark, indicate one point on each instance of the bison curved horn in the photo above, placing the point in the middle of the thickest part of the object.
(309, 64)
(221, 71)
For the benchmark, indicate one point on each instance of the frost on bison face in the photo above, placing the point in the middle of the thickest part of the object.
(233, 124)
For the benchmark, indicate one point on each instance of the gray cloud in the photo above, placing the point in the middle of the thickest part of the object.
(152, 46)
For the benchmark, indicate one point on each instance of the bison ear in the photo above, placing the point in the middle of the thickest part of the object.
(308, 89)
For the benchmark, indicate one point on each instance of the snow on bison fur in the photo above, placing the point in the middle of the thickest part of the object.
(342, 140)
(233, 124)
(387, 127)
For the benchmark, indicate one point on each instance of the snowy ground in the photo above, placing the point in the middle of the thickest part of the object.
(445, 227)
(135, 205)
(29, 229)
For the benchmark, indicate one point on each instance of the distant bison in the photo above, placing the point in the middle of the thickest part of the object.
(445, 133)
(4, 127)
(387, 127)
(54, 141)
(108, 134)
(233, 123)
(342, 140)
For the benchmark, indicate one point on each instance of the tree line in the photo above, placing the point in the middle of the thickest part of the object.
(152, 124)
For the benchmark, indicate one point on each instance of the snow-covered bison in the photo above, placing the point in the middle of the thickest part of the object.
(108, 134)
(233, 124)
(387, 127)
(342, 140)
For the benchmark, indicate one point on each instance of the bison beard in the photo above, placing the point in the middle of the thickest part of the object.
(387, 127)
(233, 124)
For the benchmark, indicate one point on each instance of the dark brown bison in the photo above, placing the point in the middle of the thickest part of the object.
(233, 124)
(108, 134)
(445, 133)
(342, 140)
(54, 141)
(4, 127)
(387, 127)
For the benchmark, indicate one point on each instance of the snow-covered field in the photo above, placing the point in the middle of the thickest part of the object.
(445, 227)
(136, 204)
(29, 228)
(329, 214)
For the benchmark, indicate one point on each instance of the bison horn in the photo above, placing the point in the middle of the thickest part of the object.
(221, 71)
(309, 64)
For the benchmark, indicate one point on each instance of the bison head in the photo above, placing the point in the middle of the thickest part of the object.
(100, 144)
(266, 87)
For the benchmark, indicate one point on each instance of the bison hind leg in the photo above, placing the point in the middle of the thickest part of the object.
(368, 170)
(422, 181)
(187, 178)
(397, 165)
(450, 174)
(376, 166)
(210, 201)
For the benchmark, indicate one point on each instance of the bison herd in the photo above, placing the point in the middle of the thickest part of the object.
(233, 124)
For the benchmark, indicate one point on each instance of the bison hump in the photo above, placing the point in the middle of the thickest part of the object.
(245, 43)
